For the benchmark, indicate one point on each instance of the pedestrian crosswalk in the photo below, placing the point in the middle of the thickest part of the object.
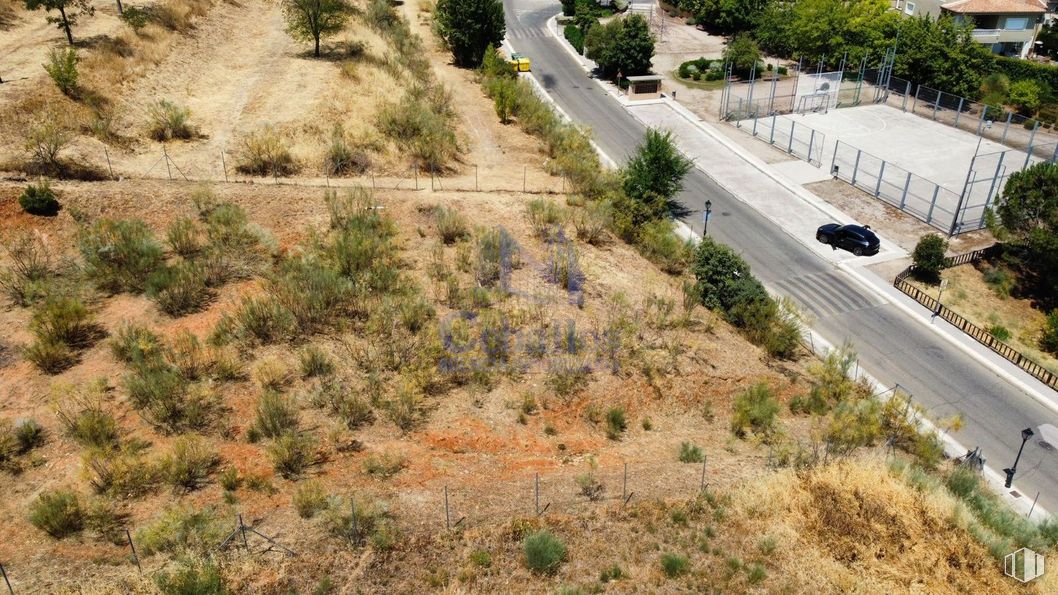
(825, 294)
(527, 33)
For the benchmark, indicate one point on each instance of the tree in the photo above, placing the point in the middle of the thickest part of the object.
(742, 53)
(718, 270)
(942, 54)
(470, 26)
(1026, 94)
(657, 168)
(929, 257)
(69, 12)
(730, 16)
(309, 20)
(1028, 219)
(622, 46)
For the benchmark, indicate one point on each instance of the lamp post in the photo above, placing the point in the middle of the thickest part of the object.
(705, 218)
(1025, 435)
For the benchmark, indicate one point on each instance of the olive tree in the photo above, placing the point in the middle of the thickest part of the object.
(470, 26)
(309, 20)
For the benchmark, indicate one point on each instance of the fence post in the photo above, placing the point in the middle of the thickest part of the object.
(135, 556)
(981, 122)
(793, 125)
(536, 493)
(915, 102)
(624, 483)
(958, 112)
(771, 139)
(878, 185)
(755, 118)
(109, 168)
(1010, 116)
(416, 177)
(771, 100)
(995, 177)
(834, 158)
(705, 459)
(811, 142)
(907, 91)
(933, 203)
(6, 582)
(903, 198)
(936, 105)
(224, 166)
(242, 528)
(856, 166)
(165, 156)
(475, 177)
(448, 518)
(1028, 152)
(524, 167)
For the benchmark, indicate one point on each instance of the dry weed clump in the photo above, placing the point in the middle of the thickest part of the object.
(167, 121)
(264, 152)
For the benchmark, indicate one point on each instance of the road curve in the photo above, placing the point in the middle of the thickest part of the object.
(891, 347)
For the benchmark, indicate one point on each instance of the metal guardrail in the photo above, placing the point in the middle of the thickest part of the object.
(979, 334)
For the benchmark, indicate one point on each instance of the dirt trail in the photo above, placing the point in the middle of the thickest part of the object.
(228, 79)
(25, 45)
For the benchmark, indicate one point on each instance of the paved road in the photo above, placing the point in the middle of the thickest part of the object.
(891, 347)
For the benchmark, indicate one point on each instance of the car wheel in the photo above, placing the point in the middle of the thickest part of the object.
(857, 251)
(823, 239)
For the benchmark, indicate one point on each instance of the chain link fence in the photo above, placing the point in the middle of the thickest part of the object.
(988, 175)
(912, 194)
(788, 135)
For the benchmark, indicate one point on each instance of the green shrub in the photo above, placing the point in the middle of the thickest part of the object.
(165, 398)
(615, 423)
(782, 70)
(189, 464)
(544, 552)
(658, 243)
(360, 522)
(350, 407)
(27, 279)
(315, 362)
(264, 153)
(49, 355)
(504, 92)
(421, 125)
(86, 421)
(831, 384)
(39, 199)
(62, 68)
(613, 573)
(167, 120)
(385, 465)
(184, 238)
(1049, 338)
(343, 158)
(497, 255)
(1000, 279)
(756, 573)
(257, 320)
(179, 289)
(182, 530)
(120, 255)
(309, 499)
(292, 453)
(136, 344)
(313, 294)
(64, 319)
(120, 473)
(721, 276)
(755, 410)
(58, 513)
(929, 257)
(192, 576)
(567, 376)
(690, 453)
(451, 225)
(999, 331)
(545, 217)
(592, 221)
(575, 37)
(674, 565)
(276, 415)
(137, 18)
(28, 435)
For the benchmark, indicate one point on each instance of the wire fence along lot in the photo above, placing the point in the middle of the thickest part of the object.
(902, 189)
(787, 134)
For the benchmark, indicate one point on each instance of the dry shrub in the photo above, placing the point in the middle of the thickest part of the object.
(345, 157)
(179, 15)
(264, 153)
(46, 138)
(25, 280)
(167, 120)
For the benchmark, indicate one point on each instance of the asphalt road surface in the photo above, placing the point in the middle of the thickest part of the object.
(891, 347)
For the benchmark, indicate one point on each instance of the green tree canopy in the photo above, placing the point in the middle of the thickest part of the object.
(742, 53)
(308, 20)
(1028, 219)
(729, 16)
(622, 46)
(69, 11)
(470, 26)
(656, 170)
(942, 54)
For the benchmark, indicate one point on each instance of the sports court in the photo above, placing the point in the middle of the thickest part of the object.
(929, 149)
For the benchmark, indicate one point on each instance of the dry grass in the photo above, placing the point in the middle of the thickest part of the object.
(970, 296)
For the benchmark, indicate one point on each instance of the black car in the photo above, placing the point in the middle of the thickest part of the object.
(858, 239)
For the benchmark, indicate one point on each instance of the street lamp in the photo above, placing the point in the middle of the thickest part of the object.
(1025, 435)
(705, 218)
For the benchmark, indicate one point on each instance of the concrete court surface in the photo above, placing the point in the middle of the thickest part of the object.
(929, 149)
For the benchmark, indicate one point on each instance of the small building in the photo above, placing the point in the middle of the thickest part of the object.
(647, 86)
(1008, 27)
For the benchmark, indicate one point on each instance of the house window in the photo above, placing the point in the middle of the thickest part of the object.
(909, 8)
(1017, 23)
